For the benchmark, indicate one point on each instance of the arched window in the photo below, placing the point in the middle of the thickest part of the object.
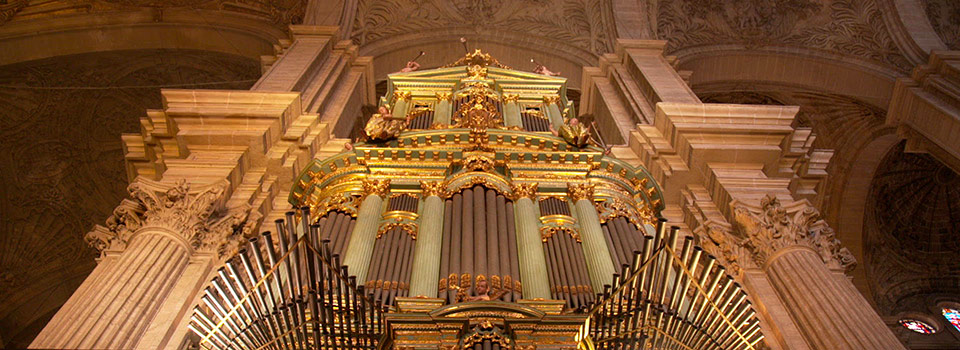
(953, 316)
(917, 326)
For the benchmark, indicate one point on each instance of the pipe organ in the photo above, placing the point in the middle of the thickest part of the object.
(476, 214)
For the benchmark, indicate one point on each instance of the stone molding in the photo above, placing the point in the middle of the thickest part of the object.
(199, 217)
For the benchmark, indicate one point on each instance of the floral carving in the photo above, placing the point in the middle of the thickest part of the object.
(771, 228)
(848, 27)
(199, 217)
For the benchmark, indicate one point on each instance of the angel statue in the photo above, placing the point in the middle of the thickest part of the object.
(573, 132)
(384, 126)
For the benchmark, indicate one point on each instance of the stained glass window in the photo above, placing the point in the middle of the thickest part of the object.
(917, 326)
(952, 315)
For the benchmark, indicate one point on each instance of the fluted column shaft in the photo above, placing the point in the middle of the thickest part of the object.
(511, 113)
(829, 311)
(533, 262)
(599, 263)
(425, 272)
(442, 112)
(116, 302)
(360, 249)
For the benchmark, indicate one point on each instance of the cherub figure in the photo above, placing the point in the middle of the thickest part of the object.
(411, 66)
(541, 69)
(484, 292)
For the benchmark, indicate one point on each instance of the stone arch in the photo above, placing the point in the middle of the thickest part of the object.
(804, 69)
(139, 29)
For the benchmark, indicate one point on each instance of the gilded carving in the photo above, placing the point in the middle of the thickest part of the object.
(444, 96)
(524, 190)
(434, 188)
(479, 60)
(580, 191)
(508, 98)
(551, 99)
(402, 95)
(376, 187)
(341, 201)
(478, 162)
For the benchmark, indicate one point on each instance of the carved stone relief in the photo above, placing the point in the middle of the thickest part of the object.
(282, 12)
(61, 160)
(584, 23)
(847, 27)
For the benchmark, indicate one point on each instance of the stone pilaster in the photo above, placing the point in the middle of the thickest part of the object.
(425, 272)
(533, 262)
(360, 248)
(797, 250)
(599, 262)
(148, 244)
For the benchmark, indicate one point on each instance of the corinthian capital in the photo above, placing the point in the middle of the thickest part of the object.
(771, 227)
(376, 187)
(580, 191)
(197, 216)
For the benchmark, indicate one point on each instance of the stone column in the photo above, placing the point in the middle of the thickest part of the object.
(425, 272)
(533, 262)
(511, 111)
(599, 263)
(360, 248)
(552, 105)
(152, 239)
(443, 111)
(797, 252)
